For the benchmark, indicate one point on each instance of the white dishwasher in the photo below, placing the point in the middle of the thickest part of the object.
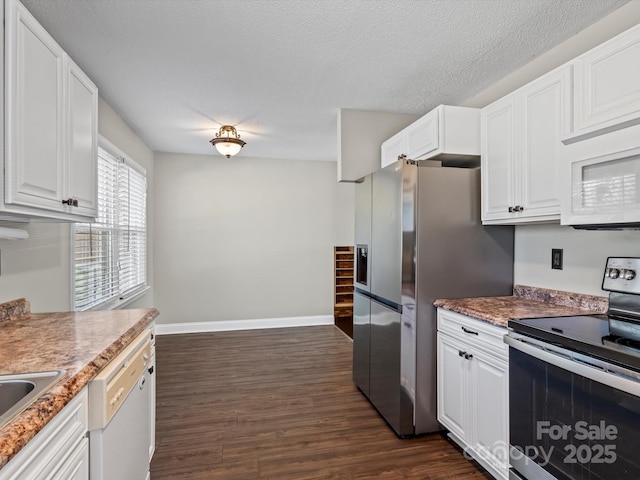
(120, 415)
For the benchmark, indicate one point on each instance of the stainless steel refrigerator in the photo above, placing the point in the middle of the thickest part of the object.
(418, 238)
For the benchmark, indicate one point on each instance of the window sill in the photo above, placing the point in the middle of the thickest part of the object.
(121, 302)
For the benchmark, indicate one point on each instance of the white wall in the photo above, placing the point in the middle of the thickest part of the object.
(246, 238)
(585, 252)
(360, 134)
(584, 256)
(39, 268)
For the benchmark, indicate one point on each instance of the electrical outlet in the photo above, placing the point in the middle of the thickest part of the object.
(556, 258)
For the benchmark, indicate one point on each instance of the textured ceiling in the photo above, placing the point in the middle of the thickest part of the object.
(279, 70)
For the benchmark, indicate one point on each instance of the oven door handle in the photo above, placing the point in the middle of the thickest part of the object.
(610, 377)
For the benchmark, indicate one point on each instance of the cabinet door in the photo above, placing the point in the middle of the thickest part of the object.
(76, 466)
(422, 136)
(391, 149)
(453, 390)
(34, 129)
(607, 86)
(82, 136)
(499, 138)
(490, 409)
(546, 109)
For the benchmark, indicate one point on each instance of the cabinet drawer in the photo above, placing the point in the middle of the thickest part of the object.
(478, 333)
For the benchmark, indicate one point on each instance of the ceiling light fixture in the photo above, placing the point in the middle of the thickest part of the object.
(227, 141)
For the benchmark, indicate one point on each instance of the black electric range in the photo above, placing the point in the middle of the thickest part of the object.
(604, 336)
(568, 374)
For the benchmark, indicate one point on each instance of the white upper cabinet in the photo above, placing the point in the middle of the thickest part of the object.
(522, 151)
(51, 123)
(445, 133)
(34, 113)
(392, 148)
(82, 121)
(607, 87)
(421, 137)
(546, 116)
(499, 154)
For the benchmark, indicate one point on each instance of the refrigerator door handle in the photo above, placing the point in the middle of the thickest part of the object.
(387, 303)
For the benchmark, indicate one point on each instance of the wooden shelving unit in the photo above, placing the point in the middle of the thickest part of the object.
(343, 290)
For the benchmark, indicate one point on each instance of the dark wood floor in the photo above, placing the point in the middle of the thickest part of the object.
(279, 404)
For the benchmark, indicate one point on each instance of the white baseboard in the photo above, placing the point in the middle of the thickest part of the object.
(254, 324)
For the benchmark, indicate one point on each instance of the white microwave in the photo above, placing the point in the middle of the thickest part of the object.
(604, 191)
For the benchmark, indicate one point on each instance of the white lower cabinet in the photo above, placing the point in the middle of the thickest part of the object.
(473, 395)
(489, 409)
(453, 386)
(77, 465)
(60, 451)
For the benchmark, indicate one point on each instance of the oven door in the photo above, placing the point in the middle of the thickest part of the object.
(569, 419)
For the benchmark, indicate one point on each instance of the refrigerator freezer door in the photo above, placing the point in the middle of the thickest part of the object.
(361, 339)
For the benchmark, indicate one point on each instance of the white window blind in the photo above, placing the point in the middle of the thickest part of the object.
(110, 255)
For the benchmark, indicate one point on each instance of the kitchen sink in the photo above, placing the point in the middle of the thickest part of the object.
(18, 391)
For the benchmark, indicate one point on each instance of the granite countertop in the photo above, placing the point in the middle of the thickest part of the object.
(81, 343)
(526, 302)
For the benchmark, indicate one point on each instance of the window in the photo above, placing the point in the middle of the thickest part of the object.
(109, 258)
